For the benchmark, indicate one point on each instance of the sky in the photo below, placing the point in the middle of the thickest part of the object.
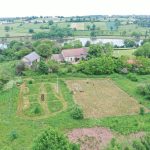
(20, 8)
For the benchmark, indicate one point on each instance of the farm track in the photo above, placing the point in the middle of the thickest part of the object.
(20, 101)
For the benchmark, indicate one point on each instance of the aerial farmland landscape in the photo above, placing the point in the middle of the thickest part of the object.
(74, 75)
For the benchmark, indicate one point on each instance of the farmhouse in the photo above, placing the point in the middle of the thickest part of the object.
(29, 59)
(70, 55)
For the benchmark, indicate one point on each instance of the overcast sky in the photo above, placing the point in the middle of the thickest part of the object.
(12, 8)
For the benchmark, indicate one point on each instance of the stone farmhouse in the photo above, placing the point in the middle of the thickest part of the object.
(31, 58)
(71, 55)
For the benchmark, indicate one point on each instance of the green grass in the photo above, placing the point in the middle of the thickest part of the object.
(122, 52)
(28, 129)
(55, 106)
(18, 29)
(35, 109)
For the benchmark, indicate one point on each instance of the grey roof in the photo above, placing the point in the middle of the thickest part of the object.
(32, 56)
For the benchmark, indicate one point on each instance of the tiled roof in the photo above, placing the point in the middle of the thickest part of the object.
(32, 56)
(77, 52)
(57, 57)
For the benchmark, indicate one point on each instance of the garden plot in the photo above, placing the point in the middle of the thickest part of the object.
(78, 26)
(39, 100)
(102, 98)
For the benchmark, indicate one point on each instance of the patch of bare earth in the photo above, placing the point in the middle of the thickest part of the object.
(102, 98)
(91, 138)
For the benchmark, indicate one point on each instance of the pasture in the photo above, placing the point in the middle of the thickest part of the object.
(102, 98)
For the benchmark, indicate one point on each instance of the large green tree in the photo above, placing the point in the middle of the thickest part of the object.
(52, 139)
(97, 50)
(144, 50)
(44, 50)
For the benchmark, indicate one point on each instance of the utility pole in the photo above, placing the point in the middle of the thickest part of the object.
(57, 85)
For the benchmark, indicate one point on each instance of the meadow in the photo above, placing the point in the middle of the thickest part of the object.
(103, 28)
(28, 126)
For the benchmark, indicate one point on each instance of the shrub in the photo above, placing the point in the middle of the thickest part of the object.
(77, 112)
(142, 111)
(137, 145)
(141, 89)
(36, 110)
(132, 77)
(30, 81)
(52, 139)
(20, 68)
(43, 67)
(13, 135)
(114, 145)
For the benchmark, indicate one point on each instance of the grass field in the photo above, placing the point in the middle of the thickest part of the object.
(102, 98)
(39, 99)
(122, 52)
(27, 129)
(22, 29)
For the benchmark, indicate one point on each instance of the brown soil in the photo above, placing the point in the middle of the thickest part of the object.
(91, 138)
(102, 98)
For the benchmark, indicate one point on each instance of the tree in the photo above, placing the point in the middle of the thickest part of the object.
(7, 28)
(73, 44)
(88, 27)
(52, 139)
(77, 112)
(93, 27)
(87, 44)
(20, 68)
(50, 22)
(44, 50)
(31, 31)
(43, 67)
(93, 33)
(97, 50)
(129, 43)
(97, 66)
(144, 50)
(137, 35)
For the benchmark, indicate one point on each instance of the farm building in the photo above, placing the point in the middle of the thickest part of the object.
(29, 59)
(70, 55)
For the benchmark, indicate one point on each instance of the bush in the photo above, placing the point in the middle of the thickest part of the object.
(52, 139)
(30, 81)
(132, 77)
(142, 111)
(141, 89)
(97, 66)
(36, 110)
(144, 90)
(43, 67)
(77, 112)
(20, 68)
(13, 135)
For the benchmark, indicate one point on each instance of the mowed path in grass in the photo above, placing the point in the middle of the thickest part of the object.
(102, 98)
(52, 104)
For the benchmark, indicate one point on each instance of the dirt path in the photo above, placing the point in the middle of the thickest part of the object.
(20, 99)
(60, 97)
(44, 103)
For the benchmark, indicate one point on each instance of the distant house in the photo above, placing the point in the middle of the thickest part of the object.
(29, 59)
(70, 55)
(3, 46)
